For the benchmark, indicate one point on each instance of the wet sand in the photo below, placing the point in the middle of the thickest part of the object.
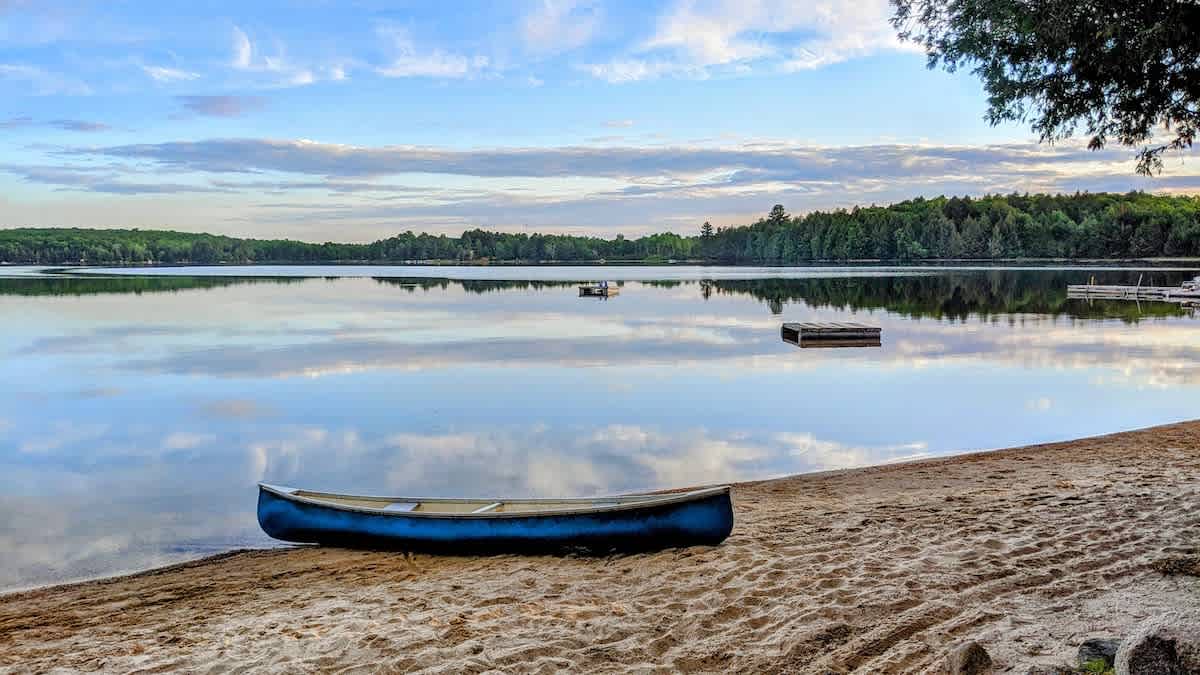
(877, 570)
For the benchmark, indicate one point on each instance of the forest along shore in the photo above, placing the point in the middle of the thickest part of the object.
(1029, 551)
(999, 227)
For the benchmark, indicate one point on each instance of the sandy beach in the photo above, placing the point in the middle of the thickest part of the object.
(878, 570)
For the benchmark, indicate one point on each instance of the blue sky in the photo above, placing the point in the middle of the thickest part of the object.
(354, 120)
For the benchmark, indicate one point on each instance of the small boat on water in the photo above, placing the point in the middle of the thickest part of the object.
(633, 522)
(599, 290)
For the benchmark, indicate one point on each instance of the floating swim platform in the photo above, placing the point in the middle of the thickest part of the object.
(631, 522)
(831, 334)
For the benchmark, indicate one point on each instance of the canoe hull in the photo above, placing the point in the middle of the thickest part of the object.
(704, 521)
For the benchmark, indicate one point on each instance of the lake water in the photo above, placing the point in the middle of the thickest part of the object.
(138, 412)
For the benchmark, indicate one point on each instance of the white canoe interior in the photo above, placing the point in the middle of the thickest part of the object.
(483, 507)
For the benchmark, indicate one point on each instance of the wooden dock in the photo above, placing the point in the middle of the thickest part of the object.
(598, 291)
(831, 334)
(1188, 293)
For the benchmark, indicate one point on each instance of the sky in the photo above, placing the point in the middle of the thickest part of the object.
(353, 121)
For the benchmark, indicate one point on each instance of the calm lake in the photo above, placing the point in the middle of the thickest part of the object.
(138, 412)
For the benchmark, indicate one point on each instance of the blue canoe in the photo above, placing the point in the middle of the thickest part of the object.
(634, 522)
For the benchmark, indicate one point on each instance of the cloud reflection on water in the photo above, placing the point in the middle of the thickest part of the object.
(1162, 353)
(133, 425)
(235, 408)
(165, 505)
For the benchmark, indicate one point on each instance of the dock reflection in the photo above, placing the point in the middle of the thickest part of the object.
(815, 343)
(818, 335)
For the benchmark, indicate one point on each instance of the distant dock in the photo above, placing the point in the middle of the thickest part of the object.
(1188, 293)
(831, 334)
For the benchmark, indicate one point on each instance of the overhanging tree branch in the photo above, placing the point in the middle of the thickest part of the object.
(1127, 70)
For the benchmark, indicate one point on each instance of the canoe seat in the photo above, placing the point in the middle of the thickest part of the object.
(401, 506)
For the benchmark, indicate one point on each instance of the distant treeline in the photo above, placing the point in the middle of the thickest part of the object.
(1133, 225)
(63, 285)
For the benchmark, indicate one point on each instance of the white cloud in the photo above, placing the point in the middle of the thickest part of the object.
(243, 50)
(302, 77)
(280, 69)
(165, 74)
(692, 39)
(408, 61)
(633, 70)
(712, 35)
(435, 64)
(559, 25)
(619, 124)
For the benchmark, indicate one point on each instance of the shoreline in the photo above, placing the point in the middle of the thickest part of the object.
(828, 473)
(1028, 550)
(1165, 264)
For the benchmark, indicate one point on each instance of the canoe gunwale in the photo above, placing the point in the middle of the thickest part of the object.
(623, 503)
